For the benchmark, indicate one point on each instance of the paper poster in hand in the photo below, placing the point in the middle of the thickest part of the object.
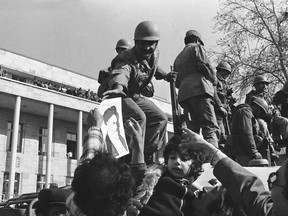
(112, 127)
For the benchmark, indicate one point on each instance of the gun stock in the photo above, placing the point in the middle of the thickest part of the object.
(176, 113)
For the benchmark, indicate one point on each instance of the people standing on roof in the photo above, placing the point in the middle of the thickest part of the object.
(195, 81)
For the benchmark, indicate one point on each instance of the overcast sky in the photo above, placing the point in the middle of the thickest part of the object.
(80, 35)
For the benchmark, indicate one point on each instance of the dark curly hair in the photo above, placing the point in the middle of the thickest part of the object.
(173, 146)
(102, 185)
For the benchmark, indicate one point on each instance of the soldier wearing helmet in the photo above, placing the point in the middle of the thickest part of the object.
(196, 80)
(131, 75)
(280, 99)
(122, 45)
(261, 86)
(246, 132)
(221, 103)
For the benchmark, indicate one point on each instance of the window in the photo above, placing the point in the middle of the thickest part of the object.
(170, 135)
(6, 185)
(69, 180)
(40, 184)
(10, 134)
(71, 145)
(43, 141)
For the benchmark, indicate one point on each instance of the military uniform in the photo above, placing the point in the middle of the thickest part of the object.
(221, 101)
(254, 94)
(134, 74)
(260, 83)
(244, 129)
(196, 91)
(281, 99)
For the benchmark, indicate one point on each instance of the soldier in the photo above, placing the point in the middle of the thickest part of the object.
(222, 107)
(280, 99)
(261, 85)
(122, 44)
(131, 75)
(279, 130)
(245, 131)
(195, 82)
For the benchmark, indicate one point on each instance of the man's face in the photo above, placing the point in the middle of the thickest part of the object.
(261, 87)
(146, 48)
(112, 124)
(120, 50)
(280, 202)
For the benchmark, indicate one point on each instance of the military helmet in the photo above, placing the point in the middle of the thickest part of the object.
(262, 103)
(196, 34)
(225, 66)
(260, 79)
(148, 31)
(123, 43)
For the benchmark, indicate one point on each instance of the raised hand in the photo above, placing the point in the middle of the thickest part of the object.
(94, 118)
(134, 137)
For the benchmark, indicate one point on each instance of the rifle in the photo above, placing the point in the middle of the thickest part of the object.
(176, 112)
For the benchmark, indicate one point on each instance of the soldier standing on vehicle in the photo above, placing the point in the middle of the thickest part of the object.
(195, 82)
(261, 86)
(280, 99)
(222, 107)
(103, 77)
(131, 75)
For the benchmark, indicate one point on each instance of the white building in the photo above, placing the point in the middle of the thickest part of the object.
(51, 123)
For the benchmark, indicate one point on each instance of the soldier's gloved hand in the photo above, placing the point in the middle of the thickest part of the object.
(94, 118)
(113, 94)
(171, 76)
(257, 155)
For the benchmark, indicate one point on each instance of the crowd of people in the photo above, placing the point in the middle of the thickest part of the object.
(78, 92)
(218, 132)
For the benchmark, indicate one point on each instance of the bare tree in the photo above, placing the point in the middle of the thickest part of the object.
(255, 41)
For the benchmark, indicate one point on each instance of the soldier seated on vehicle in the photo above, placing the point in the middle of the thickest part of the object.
(261, 85)
(279, 130)
(280, 99)
(245, 133)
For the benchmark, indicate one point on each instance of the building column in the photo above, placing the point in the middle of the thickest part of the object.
(79, 136)
(49, 145)
(14, 147)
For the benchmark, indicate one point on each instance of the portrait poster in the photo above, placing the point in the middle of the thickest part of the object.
(113, 128)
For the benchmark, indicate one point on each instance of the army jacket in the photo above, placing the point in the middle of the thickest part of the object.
(131, 71)
(195, 75)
